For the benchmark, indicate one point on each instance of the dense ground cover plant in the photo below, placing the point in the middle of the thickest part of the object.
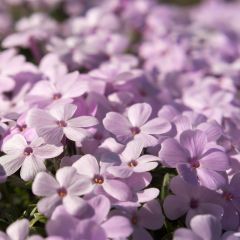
(119, 120)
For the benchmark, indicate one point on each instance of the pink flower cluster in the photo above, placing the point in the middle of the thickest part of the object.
(115, 101)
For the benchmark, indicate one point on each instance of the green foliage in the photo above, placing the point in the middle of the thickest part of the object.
(17, 202)
(161, 179)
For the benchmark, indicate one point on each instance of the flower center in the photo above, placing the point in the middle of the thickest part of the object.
(132, 163)
(134, 220)
(228, 196)
(98, 179)
(28, 151)
(21, 128)
(61, 123)
(85, 95)
(142, 93)
(62, 192)
(56, 96)
(194, 203)
(98, 136)
(194, 163)
(135, 130)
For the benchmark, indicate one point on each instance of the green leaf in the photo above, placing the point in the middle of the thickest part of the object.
(38, 217)
(165, 185)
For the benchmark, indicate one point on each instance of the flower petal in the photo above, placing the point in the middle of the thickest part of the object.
(15, 145)
(63, 111)
(138, 181)
(44, 184)
(185, 234)
(230, 219)
(60, 218)
(102, 206)
(215, 160)
(117, 227)
(70, 85)
(48, 151)
(148, 158)
(156, 126)
(147, 195)
(212, 129)
(172, 153)
(11, 163)
(211, 208)
(75, 134)
(31, 166)
(139, 113)
(120, 171)
(181, 188)
(146, 139)
(182, 123)
(118, 125)
(47, 205)
(82, 122)
(18, 230)
(117, 189)
(132, 150)
(80, 186)
(206, 226)
(145, 167)
(151, 216)
(194, 142)
(141, 234)
(66, 176)
(210, 178)
(88, 230)
(37, 118)
(175, 207)
(168, 112)
(187, 173)
(51, 135)
(87, 165)
(75, 206)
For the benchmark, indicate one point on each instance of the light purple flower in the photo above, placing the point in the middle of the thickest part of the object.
(59, 121)
(149, 216)
(139, 182)
(203, 227)
(101, 180)
(190, 200)
(62, 89)
(29, 157)
(114, 75)
(65, 189)
(230, 236)
(100, 226)
(9, 58)
(16, 231)
(65, 226)
(196, 160)
(167, 56)
(115, 226)
(231, 203)
(38, 26)
(192, 121)
(136, 125)
(132, 161)
(149, 90)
